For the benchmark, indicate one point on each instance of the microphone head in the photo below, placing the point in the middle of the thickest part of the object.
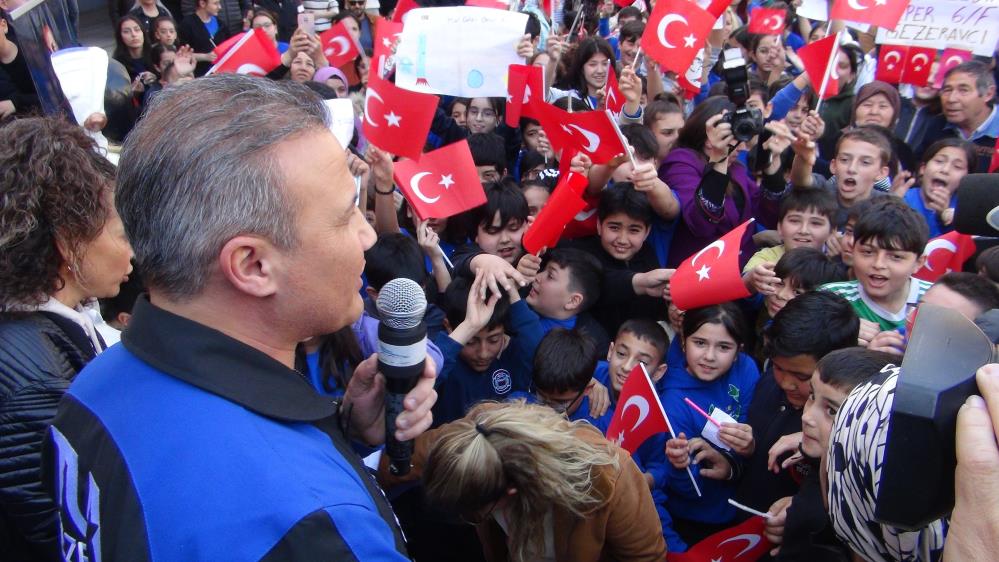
(977, 210)
(401, 303)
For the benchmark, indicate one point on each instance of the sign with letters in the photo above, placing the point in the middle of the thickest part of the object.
(938, 24)
(460, 51)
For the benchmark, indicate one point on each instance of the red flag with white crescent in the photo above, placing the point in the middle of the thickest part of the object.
(676, 31)
(712, 275)
(882, 13)
(745, 542)
(253, 54)
(944, 254)
(767, 21)
(918, 65)
(564, 203)
(950, 58)
(525, 83)
(891, 62)
(614, 98)
(639, 414)
(442, 183)
(338, 44)
(397, 120)
(387, 34)
(816, 56)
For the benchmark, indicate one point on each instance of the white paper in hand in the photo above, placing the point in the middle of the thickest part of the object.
(710, 431)
(341, 119)
(460, 51)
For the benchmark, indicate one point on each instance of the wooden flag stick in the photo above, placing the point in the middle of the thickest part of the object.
(829, 67)
(620, 136)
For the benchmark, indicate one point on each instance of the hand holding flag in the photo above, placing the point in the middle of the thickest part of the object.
(745, 542)
(253, 53)
(819, 59)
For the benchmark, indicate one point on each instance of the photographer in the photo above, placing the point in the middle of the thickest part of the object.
(716, 191)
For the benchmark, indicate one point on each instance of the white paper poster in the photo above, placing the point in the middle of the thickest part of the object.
(710, 431)
(461, 51)
(938, 24)
(341, 112)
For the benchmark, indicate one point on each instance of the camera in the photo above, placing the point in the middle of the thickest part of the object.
(747, 122)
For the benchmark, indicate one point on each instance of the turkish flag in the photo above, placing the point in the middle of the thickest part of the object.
(551, 119)
(524, 82)
(882, 13)
(949, 59)
(918, 65)
(401, 8)
(767, 21)
(614, 100)
(397, 120)
(639, 414)
(593, 134)
(891, 61)
(944, 254)
(712, 275)
(820, 62)
(744, 542)
(254, 54)
(563, 204)
(675, 33)
(690, 81)
(338, 44)
(442, 183)
(387, 34)
(222, 48)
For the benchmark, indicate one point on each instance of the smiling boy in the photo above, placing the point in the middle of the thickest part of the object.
(889, 239)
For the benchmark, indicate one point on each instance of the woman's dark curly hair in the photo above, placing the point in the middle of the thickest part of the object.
(53, 186)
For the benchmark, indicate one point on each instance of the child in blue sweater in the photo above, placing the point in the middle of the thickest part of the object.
(714, 373)
(482, 362)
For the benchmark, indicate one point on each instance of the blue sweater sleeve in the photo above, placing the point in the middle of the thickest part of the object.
(652, 458)
(449, 350)
(784, 100)
(527, 333)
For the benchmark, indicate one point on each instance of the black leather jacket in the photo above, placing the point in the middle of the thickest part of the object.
(40, 355)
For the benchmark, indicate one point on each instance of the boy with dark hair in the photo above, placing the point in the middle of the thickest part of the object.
(497, 227)
(987, 264)
(802, 333)
(489, 155)
(632, 281)
(482, 362)
(889, 239)
(799, 271)
(566, 287)
(861, 158)
(804, 220)
(641, 341)
(801, 522)
(629, 40)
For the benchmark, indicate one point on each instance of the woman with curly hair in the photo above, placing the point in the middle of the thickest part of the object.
(62, 245)
(539, 487)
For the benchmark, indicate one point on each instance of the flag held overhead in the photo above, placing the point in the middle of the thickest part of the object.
(712, 275)
(397, 120)
(442, 183)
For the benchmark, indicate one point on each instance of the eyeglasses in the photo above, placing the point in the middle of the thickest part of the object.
(560, 406)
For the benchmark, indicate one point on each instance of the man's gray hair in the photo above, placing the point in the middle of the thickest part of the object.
(198, 170)
(981, 71)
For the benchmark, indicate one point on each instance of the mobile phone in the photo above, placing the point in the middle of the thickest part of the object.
(307, 22)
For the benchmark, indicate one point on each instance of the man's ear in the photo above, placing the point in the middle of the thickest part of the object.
(250, 265)
(124, 318)
(920, 262)
(372, 294)
(610, 351)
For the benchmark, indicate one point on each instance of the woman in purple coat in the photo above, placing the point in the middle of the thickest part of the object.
(717, 192)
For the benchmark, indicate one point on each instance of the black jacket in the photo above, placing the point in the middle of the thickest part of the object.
(192, 32)
(40, 355)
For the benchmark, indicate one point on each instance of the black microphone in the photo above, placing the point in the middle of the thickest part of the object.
(402, 352)
(977, 210)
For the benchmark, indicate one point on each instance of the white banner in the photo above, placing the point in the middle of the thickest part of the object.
(938, 24)
(461, 51)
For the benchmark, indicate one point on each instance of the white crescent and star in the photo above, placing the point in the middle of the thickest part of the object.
(341, 41)
(392, 119)
(527, 93)
(592, 140)
(751, 540)
(934, 245)
(250, 69)
(446, 180)
(778, 22)
(955, 58)
(372, 93)
(856, 5)
(925, 58)
(704, 272)
(414, 184)
(643, 409)
(664, 23)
